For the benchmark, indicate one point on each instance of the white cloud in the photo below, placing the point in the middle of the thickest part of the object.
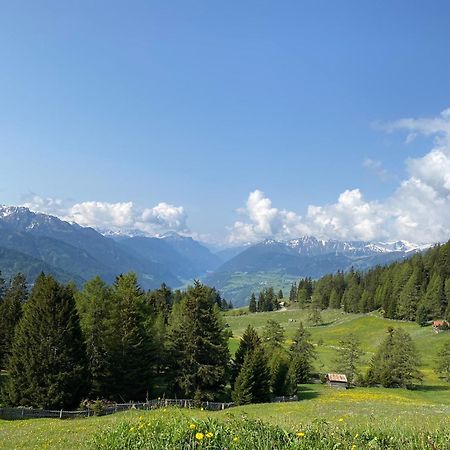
(418, 210)
(120, 216)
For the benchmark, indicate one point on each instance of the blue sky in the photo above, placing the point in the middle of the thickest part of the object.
(195, 105)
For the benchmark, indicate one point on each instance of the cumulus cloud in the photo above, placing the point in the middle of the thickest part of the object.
(418, 210)
(120, 216)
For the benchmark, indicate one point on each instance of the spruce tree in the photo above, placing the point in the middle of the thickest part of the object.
(395, 364)
(248, 343)
(198, 346)
(133, 354)
(273, 334)
(252, 304)
(10, 314)
(301, 353)
(278, 364)
(47, 366)
(442, 367)
(96, 309)
(253, 383)
(348, 357)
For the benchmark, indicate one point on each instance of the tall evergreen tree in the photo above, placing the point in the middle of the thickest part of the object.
(248, 343)
(348, 357)
(133, 353)
(302, 353)
(96, 308)
(197, 343)
(442, 367)
(253, 383)
(10, 314)
(47, 366)
(252, 304)
(273, 334)
(395, 364)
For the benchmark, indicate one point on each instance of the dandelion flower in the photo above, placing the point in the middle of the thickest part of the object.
(341, 419)
(236, 439)
(300, 434)
(209, 434)
(192, 426)
(353, 447)
(199, 436)
(131, 429)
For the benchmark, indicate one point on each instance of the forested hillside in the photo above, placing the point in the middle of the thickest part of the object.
(415, 289)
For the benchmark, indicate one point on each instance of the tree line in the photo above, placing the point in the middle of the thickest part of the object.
(416, 289)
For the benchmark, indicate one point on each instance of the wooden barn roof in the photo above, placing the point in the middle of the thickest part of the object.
(337, 377)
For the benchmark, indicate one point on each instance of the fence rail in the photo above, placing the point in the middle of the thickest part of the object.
(30, 413)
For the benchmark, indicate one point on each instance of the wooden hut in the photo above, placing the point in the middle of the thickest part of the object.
(337, 380)
(440, 325)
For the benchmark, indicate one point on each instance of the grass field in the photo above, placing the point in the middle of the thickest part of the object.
(395, 412)
(370, 329)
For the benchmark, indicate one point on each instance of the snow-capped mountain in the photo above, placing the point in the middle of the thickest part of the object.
(280, 262)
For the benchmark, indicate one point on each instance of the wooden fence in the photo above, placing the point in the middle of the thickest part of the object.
(30, 413)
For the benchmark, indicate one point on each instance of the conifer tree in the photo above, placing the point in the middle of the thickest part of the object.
(10, 314)
(252, 304)
(302, 353)
(280, 294)
(248, 343)
(133, 353)
(348, 357)
(47, 366)
(395, 364)
(434, 297)
(293, 293)
(97, 309)
(278, 364)
(253, 382)
(198, 346)
(273, 334)
(443, 362)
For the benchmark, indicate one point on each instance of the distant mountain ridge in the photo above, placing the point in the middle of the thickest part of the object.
(281, 262)
(82, 253)
(31, 242)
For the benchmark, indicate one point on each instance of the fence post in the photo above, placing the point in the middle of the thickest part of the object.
(61, 414)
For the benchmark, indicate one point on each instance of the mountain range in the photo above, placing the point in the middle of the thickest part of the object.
(33, 242)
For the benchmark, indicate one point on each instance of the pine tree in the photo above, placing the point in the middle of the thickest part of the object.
(97, 309)
(252, 304)
(47, 366)
(10, 314)
(301, 353)
(434, 297)
(443, 362)
(248, 343)
(198, 346)
(314, 317)
(253, 382)
(273, 334)
(278, 367)
(280, 295)
(133, 354)
(395, 364)
(348, 357)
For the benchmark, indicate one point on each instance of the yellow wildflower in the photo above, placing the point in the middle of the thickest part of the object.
(341, 419)
(131, 429)
(236, 439)
(300, 434)
(209, 434)
(199, 436)
(353, 447)
(192, 426)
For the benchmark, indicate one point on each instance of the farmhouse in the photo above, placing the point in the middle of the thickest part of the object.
(440, 325)
(337, 380)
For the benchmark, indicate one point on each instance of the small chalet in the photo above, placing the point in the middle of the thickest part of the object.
(337, 380)
(440, 325)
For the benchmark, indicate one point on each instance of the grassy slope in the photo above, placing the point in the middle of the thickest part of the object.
(358, 409)
(369, 328)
